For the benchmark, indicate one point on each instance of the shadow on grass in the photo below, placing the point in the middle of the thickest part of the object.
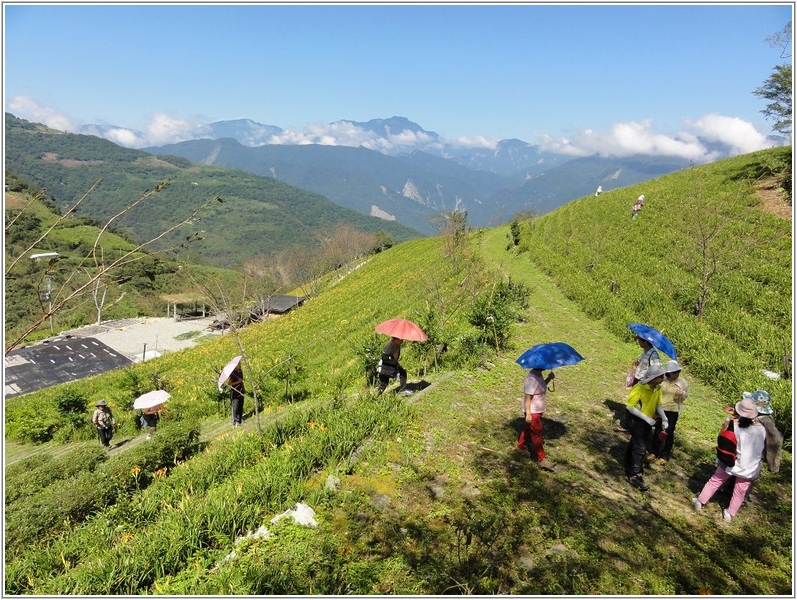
(582, 529)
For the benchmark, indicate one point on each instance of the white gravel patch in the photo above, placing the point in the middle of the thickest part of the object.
(146, 337)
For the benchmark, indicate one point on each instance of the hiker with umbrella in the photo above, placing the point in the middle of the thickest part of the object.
(232, 375)
(537, 359)
(649, 339)
(151, 405)
(389, 366)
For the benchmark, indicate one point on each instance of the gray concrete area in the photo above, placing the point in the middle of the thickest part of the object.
(96, 349)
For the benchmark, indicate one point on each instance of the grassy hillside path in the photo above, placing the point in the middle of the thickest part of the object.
(468, 429)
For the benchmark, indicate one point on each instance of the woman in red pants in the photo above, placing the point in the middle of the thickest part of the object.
(533, 406)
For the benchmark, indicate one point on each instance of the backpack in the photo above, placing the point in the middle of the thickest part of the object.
(727, 445)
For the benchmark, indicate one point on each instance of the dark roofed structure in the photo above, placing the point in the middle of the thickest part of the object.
(277, 305)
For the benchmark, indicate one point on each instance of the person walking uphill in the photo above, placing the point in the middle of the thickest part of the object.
(104, 421)
(674, 390)
(237, 391)
(533, 407)
(640, 202)
(389, 365)
(750, 443)
(644, 401)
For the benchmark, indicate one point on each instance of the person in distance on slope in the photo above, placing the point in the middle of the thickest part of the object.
(533, 406)
(674, 391)
(638, 206)
(237, 391)
(599, 191)
(751, 442)
(644, 401)
(389, 365)
(104, 421)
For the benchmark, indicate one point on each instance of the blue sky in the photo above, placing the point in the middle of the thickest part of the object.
(583, 76)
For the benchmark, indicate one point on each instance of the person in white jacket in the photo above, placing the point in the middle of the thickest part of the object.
(750, 444)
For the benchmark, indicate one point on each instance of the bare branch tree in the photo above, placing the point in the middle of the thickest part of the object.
(103, 270)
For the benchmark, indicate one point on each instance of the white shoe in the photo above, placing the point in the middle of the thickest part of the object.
(405, 393)
(726, 515)
(149, 437)
(696, 503)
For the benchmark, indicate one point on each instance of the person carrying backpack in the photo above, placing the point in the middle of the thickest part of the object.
(389, 366)
(745, 466)
(104, 421)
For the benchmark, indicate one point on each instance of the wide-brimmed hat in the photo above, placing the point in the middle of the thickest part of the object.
(101, 403)
(746, 408)
(653, 372)
(761, 399)
(672, 366)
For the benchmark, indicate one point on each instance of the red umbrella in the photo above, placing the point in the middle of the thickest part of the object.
(402, 329)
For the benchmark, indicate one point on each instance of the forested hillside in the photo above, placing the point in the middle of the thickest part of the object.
(34, 225)
(259, 216)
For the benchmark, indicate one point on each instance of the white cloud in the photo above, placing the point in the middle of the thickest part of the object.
(29, 109)
(703, 140)
(739, 135)
(125, 137)
(632, 137)
(164, 129)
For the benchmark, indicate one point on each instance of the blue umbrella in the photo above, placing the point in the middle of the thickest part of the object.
(549, 356)
(655, 337)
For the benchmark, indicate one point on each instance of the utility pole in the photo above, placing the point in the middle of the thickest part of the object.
(51, 257)
(48, 296)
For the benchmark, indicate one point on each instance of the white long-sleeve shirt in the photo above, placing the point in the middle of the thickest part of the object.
(750, 443)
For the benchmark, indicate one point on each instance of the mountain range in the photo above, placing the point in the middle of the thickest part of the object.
(402, 172)
(394, 171)
(257, 217)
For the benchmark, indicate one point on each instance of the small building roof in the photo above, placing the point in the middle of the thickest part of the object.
(278, 304)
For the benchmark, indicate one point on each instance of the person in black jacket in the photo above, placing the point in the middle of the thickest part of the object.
(237, 391)
(389, 365)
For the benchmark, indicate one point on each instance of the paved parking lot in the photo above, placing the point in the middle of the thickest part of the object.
(96, 349)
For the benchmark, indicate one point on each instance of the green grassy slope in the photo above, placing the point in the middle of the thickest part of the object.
(438, 502)
(701, 229)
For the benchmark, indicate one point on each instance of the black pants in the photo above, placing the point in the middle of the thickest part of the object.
(236, 407)
(384, 380)
(637, 447)
(105, 434)
(665, 450)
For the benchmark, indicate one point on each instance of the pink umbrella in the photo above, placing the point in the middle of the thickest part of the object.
(150, 399)
(402, 329)
(227, 371)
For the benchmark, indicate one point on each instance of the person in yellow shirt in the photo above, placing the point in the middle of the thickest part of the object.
(644, 401)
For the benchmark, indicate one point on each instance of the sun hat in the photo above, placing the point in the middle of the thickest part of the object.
(746, 408)
(672, 366)
(653, 372)
(761, 399)
(101, 403)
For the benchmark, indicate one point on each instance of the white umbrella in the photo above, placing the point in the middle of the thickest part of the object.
(227, 371)
(151, 399)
